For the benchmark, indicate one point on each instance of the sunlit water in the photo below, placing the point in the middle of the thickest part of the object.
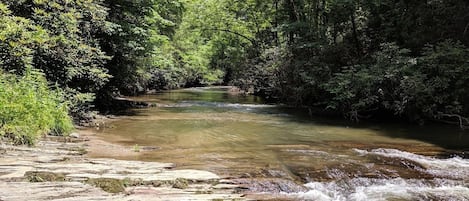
(240, 137)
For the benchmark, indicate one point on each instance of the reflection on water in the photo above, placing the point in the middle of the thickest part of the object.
(239, 136)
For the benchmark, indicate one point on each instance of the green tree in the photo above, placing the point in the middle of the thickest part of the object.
(28, 107)
(70, 56)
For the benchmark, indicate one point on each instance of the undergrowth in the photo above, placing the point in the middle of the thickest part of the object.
(29, 108)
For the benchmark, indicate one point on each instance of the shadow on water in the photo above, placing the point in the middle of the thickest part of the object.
(442, 135)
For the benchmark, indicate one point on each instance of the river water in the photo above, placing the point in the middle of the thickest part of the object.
(282, 151)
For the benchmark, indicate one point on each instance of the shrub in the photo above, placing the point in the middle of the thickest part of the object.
(30, 109)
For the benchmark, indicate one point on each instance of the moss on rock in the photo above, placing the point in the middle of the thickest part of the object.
(34, 176)
(180, 183)
(108, 185)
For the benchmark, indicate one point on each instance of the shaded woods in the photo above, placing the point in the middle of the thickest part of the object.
(361, 59)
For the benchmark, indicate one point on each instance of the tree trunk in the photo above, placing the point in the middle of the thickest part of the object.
(355, 34)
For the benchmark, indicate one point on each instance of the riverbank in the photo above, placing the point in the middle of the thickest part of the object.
(59, 169)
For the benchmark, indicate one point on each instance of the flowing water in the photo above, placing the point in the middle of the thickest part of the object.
(283, 151)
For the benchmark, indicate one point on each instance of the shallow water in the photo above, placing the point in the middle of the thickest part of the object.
(240, 137)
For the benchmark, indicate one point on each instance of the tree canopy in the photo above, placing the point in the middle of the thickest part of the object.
(357, 58)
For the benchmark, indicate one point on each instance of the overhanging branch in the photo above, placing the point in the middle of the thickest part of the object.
(463, 122)
(254, 42)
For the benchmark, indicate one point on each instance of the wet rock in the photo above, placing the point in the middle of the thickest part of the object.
(389, 167)
(448, 154)
(421, 149)
(270, 185)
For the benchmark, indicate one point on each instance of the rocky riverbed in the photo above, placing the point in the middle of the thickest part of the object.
(58, 169)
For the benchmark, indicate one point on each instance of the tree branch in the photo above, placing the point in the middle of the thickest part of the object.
(463, 122)
(253, 41)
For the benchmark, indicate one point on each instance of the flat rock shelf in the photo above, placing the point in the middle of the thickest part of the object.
(54, 170)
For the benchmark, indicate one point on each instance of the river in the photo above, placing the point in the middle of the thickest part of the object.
(283, 151)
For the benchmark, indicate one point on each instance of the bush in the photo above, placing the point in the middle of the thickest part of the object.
(30, 109)
(431, 86)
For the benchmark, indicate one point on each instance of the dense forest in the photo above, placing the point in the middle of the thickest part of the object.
(62, 59)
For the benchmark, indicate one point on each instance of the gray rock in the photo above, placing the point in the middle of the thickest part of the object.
(143, 180)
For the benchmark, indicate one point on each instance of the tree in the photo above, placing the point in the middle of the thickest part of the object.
(70, 56)
(29, 108)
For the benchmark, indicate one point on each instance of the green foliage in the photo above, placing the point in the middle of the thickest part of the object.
(445, 70)
(70, 55)
(30, 109)
(58, 38)
(90, 46)
(262, 76)
(18, 39)
(367, 88)
(131, 44)
(360, 58)
(211, 43)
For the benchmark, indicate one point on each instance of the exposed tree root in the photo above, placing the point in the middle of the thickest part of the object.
(463, 122)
